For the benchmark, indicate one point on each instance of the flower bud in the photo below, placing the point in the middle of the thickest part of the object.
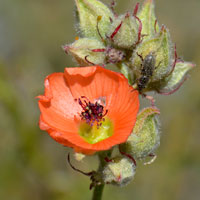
(145, 137)
(124, 31)
(120, 171)
(160, 47)
(88, 13)
(176, 78)
(82, 48)
(148, 19)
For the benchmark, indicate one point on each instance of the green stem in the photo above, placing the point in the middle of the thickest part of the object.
(98, 191)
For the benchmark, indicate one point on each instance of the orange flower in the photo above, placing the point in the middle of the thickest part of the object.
(89, 109)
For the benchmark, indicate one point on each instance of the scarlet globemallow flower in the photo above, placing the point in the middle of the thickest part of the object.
(90, 109)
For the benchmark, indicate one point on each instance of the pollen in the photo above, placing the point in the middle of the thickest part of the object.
(99, 18)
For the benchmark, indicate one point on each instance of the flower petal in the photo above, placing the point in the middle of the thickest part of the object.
(57, 106)
(58, 96)
(92, 82)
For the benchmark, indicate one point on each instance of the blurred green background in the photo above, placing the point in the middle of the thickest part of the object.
(32, 165)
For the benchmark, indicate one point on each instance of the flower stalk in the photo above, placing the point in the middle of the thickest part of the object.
(98, 189)
(98, 192)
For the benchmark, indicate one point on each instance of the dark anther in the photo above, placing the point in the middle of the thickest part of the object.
(92, 112)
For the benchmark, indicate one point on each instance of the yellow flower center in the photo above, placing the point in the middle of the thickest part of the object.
(96, 133)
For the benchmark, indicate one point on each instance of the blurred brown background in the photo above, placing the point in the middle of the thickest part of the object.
(32, 165)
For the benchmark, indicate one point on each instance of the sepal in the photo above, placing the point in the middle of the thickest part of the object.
(88, 14)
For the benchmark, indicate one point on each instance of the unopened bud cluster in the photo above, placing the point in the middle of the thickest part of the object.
(133, 41)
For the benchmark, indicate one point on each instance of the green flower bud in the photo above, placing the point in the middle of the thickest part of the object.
(124, 31)
(176, 78)
(120, 171)
(161, 49)
(145, 137)
(82, 48)
(88, 13)
(148, 19)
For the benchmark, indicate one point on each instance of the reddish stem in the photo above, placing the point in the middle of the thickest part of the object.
(136, 9)
(156, 21)
(115, 31)
(98, 50)
(173, 91)
(175, 61)
(129, 156)
(139, 29)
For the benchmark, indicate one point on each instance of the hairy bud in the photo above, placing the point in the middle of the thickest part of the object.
(160, 48)
(82, 51)
(119, 171)
(124, 31)
(88, 13)
(145, 137)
